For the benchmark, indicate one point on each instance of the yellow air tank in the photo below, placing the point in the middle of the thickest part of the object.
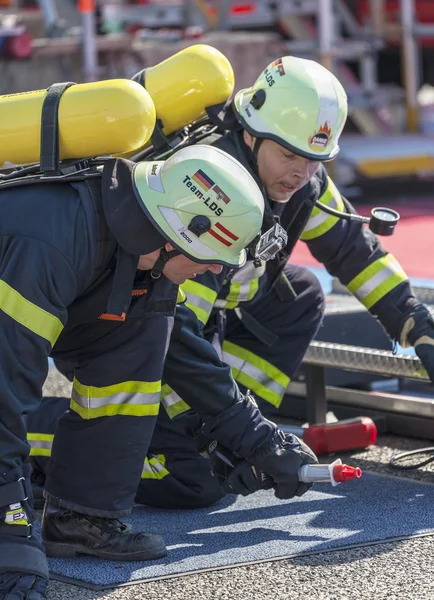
(185, 84)
(95, 119)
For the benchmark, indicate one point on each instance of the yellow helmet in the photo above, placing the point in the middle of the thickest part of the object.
(204, 202)
(297, 103)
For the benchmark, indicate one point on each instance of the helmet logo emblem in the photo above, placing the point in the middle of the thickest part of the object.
(206, 183)
(203, 180)
(279, 65)
(199, 183)
(221, 195)
(321, 138)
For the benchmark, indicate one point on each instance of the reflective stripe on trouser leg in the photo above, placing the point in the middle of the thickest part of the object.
(183, 478)
(187, 483)
(172, 402)
(40, 444)
(134, 398)
(102, 441)
(41, 425)
(154, 467)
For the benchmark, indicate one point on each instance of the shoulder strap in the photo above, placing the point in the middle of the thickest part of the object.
(49, 156)
(106, 242)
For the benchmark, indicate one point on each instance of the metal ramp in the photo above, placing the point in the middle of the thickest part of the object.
(409, 412)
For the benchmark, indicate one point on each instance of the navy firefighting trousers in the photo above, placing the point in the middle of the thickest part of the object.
(174, 474)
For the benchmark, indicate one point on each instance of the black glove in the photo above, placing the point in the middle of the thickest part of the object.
(281, 460)
(22, 586)
(418, 331)
(235, 475)
(243, 430)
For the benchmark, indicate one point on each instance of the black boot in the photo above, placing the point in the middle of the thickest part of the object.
(66, 533)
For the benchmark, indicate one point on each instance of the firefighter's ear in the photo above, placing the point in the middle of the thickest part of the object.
(249, 139)
(168, 247)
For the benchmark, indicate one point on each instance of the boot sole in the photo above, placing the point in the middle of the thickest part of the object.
(59, 550)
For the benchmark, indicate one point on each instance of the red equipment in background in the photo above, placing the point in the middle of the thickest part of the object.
(327, 438)
(15, 40)
(347, 434)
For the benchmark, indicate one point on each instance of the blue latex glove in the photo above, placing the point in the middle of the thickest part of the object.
(22, 586)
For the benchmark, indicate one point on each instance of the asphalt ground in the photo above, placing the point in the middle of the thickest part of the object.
(387, 571)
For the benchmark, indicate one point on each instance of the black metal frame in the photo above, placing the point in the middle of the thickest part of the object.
(392, 413)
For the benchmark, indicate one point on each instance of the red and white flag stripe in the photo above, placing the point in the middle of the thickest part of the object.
(223, 231)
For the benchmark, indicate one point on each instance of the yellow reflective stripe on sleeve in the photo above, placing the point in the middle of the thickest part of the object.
(234, 292)
(320, 222)
(224, 304)
(201, 314)
(153, 468)
(180, 298)
(131, 398)
(253, 288)
(200, 299)
(379, 278)
(172, 402)
(200, 290)
(29, 315)
(244, 286)
(256, 373)
(239, 292)
(40, 443)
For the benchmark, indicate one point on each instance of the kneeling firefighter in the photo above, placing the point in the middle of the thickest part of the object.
(283, 130)
(262, 317)
(90, 265)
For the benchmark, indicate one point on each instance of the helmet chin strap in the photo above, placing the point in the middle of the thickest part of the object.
(252, 152)
(256, 145)
(198, 225)
(161, 261)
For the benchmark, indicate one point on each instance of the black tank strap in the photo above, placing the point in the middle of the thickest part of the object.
(283, 288)
(140, 77)
(106, 242)
(13, 492)
(49, 156)
(262, 334)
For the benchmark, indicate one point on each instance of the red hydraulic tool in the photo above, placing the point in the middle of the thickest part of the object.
(326, 438)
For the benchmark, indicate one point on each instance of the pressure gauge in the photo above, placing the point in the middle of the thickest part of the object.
(383, 220)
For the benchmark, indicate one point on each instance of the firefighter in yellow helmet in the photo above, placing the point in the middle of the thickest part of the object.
(298, 104)
(89, 273)
(262, 317)
(283, 129)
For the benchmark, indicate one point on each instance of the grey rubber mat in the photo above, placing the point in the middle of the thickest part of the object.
(261, 528)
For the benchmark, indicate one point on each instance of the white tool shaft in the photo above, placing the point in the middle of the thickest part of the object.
(317, 473)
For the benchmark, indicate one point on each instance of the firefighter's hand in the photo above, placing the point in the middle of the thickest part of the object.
(235, 475)
(22, 586)
(418, 331)
(281, 460)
